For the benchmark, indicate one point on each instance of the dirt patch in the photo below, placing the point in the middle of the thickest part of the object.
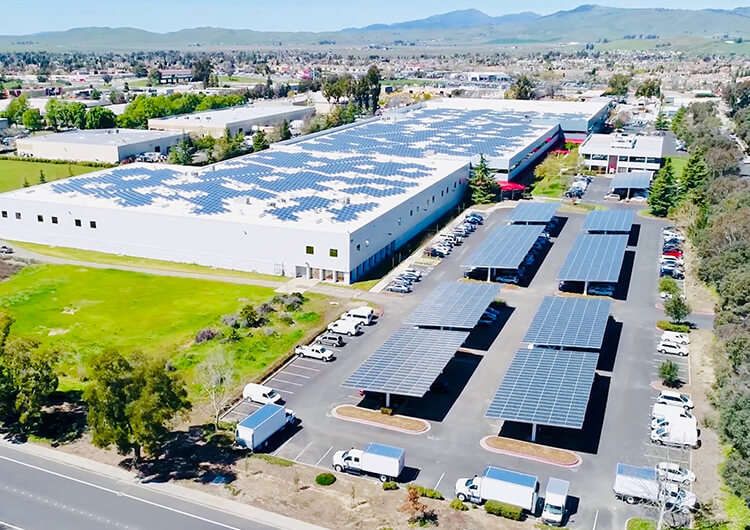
(522, 449)
(375, 417)
(10, 266)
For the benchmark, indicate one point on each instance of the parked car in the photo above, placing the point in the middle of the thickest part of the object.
(670, 397)
(4, 249)
(414, 271)
(602, 289)
(260, 394)
(672, 348)
(474, 218)
(508, 277)
(345, 326)
(330, 339)
(675, 253)
(476, 273)
(314, 351)
(673, 336)
(410, 277)
(674, 472)
(570, 287)
(364, 314)
(612, 197)
(396, 288)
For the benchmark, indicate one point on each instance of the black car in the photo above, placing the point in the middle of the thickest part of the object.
(330, 339)
(6, 250)
(476, 274)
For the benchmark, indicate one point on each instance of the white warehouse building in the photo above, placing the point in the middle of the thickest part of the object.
(620, 153)
(108, 146)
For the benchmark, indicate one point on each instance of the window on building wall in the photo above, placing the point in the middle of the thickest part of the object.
(399, 221)
(5, 213)
(92, 224)
(454, 185)
(411, 213)
(40, 218)
(309, 250)
(358, 247)
(622, 158)
(78, 222)
(18, 215)
(334, 252)
(442, 193)
(433, 198)
(54, 220)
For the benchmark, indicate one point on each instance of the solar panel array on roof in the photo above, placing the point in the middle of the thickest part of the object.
(569, 322)
(609, 221)
(454, 305)
(505, 247)
(634, 180)
(408, 362)
(546, 387)
(533, 212)
(594, 258)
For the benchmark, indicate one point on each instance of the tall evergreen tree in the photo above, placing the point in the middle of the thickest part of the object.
(285, 133)
(260, 142)
(484, 188)
(694, 177)
(662, 122)
(663, 191)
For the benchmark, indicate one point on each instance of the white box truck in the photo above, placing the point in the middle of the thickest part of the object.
(503, 485)
(254, 431)
(384, 461)
(555, 500)
(635, 484)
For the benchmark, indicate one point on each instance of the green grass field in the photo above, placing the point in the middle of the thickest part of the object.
(93, 256)
(641, 524)
(82, 311)
(679, 163)
(13, 172)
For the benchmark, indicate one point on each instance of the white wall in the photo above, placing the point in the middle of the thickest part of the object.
(74, 151)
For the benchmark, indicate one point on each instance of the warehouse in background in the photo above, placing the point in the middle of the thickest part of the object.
(108, 146)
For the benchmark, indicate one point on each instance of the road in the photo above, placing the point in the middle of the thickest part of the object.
(40, 494)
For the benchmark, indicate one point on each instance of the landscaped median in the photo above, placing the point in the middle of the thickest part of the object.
(530, 451)
(377, 418)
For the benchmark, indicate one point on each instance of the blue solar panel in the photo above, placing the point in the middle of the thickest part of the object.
(594, 258)
(634, 180)
(505, 247)
(569, 322)
(609, 221)
(546, 387)
(533, 212)
(454, 305)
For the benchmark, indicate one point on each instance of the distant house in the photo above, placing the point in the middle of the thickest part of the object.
(172, 77)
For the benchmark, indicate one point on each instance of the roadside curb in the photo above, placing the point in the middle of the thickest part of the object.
(483, 444)
(182, 493)
(335, 414)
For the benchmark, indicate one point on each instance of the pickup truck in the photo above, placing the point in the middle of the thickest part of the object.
(314, 351)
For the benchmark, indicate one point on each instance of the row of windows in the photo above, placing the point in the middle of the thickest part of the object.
(333, 252)
(53, 219)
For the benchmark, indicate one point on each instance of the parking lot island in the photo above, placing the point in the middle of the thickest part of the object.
(376, 418)
(530, 451)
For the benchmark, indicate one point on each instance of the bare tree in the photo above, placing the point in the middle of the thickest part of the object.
(217, 378)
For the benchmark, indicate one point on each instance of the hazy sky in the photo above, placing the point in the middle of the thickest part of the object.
(30, 16)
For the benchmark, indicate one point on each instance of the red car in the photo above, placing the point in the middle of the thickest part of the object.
(675, 253)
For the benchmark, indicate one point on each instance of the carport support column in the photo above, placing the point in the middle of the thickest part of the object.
(387, 400)
(489, 274)
(533, 432)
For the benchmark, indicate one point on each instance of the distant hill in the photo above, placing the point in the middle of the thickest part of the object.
(468, 27)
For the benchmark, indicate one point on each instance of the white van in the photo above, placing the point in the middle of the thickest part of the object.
(345, 326)
(362, 314)
(260, 394)
(662, 410)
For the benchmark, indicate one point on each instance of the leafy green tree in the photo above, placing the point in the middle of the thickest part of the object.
(618, 84)
(228, 146)
(522, 88)
(650, 88)
(694, 177)
(662, 122)
(669, 372)
(372, 87)
(736, 473)
(16, 109)
(139, 70)
(669, 285)
(663, 193)
(42, 178)
(32, 119)
(182, 152)
(260, 142)
(131, 403)
(154, 76)
(201, 70)
(678, 125)
(101, 118)
(677, 309)
(285, 133)
(96, 95)
(484, 187)
(249, 316)
(33, 375)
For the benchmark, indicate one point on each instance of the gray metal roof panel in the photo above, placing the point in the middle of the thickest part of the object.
(505, 247)
(609, 221)
(594, 258)
(633, 180)
(569, 322)
(454, 305)
(533, 212)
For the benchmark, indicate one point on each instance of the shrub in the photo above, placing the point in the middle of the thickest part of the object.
(275, 460)
(677, 309)
(669, 285)
(233, 321)
(232, 335)
(666, 325)
(205, 335)
(426, 492)
(459, 506)
(669, 373)
(386, 411)
(325, 479)
(269, 332)
(390, 486)
(265, 309)
(503, 510)
(286, 319)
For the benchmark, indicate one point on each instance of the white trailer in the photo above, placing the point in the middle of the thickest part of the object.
(384, 461)
(636, 484)
(254, 431)
(497, 484)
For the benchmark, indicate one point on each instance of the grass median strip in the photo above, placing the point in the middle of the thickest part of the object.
(552, 455)
(375, 417)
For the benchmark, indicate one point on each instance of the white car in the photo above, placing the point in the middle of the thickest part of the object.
(414, 271)
(675, 473)
(345, 326)
(678, 497)
(671, 259)
(612, 197)
(673, 336)
(671, 348)
(260, 394)
(670, 397)
(314, 351)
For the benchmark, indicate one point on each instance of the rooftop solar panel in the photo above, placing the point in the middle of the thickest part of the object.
(546, 387)
(505, 247)
(594, 258)
(533, 212)
(634, 180)
(408, 362)
(609, 221)
(454, 305)
(569, 322)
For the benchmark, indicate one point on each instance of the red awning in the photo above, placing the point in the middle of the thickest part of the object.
(510, 186)
(575, 140)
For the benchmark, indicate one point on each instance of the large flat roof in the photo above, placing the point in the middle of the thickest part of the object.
(113, 137)
(322, 191)
(557, 110)
(647, 146)
(228, 116)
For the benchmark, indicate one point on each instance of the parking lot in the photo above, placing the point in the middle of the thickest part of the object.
(617, 422)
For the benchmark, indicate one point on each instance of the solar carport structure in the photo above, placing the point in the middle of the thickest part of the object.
(567, 322)
(408, 362)
(609, 221)
(454, 305)
(545, 387)
(505, 248)
(533, 213)
(636, 180)
(594, 258)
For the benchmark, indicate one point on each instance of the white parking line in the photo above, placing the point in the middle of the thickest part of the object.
(10, 526)
(322, 457)
(287, 382)
(300, 453)
(277, 451)
(438, 482)
(282, 390)
(306, 367)
(298, 375)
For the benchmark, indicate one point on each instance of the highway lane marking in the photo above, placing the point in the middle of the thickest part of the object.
(322, 457)
(300, 453)
(119, 493)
